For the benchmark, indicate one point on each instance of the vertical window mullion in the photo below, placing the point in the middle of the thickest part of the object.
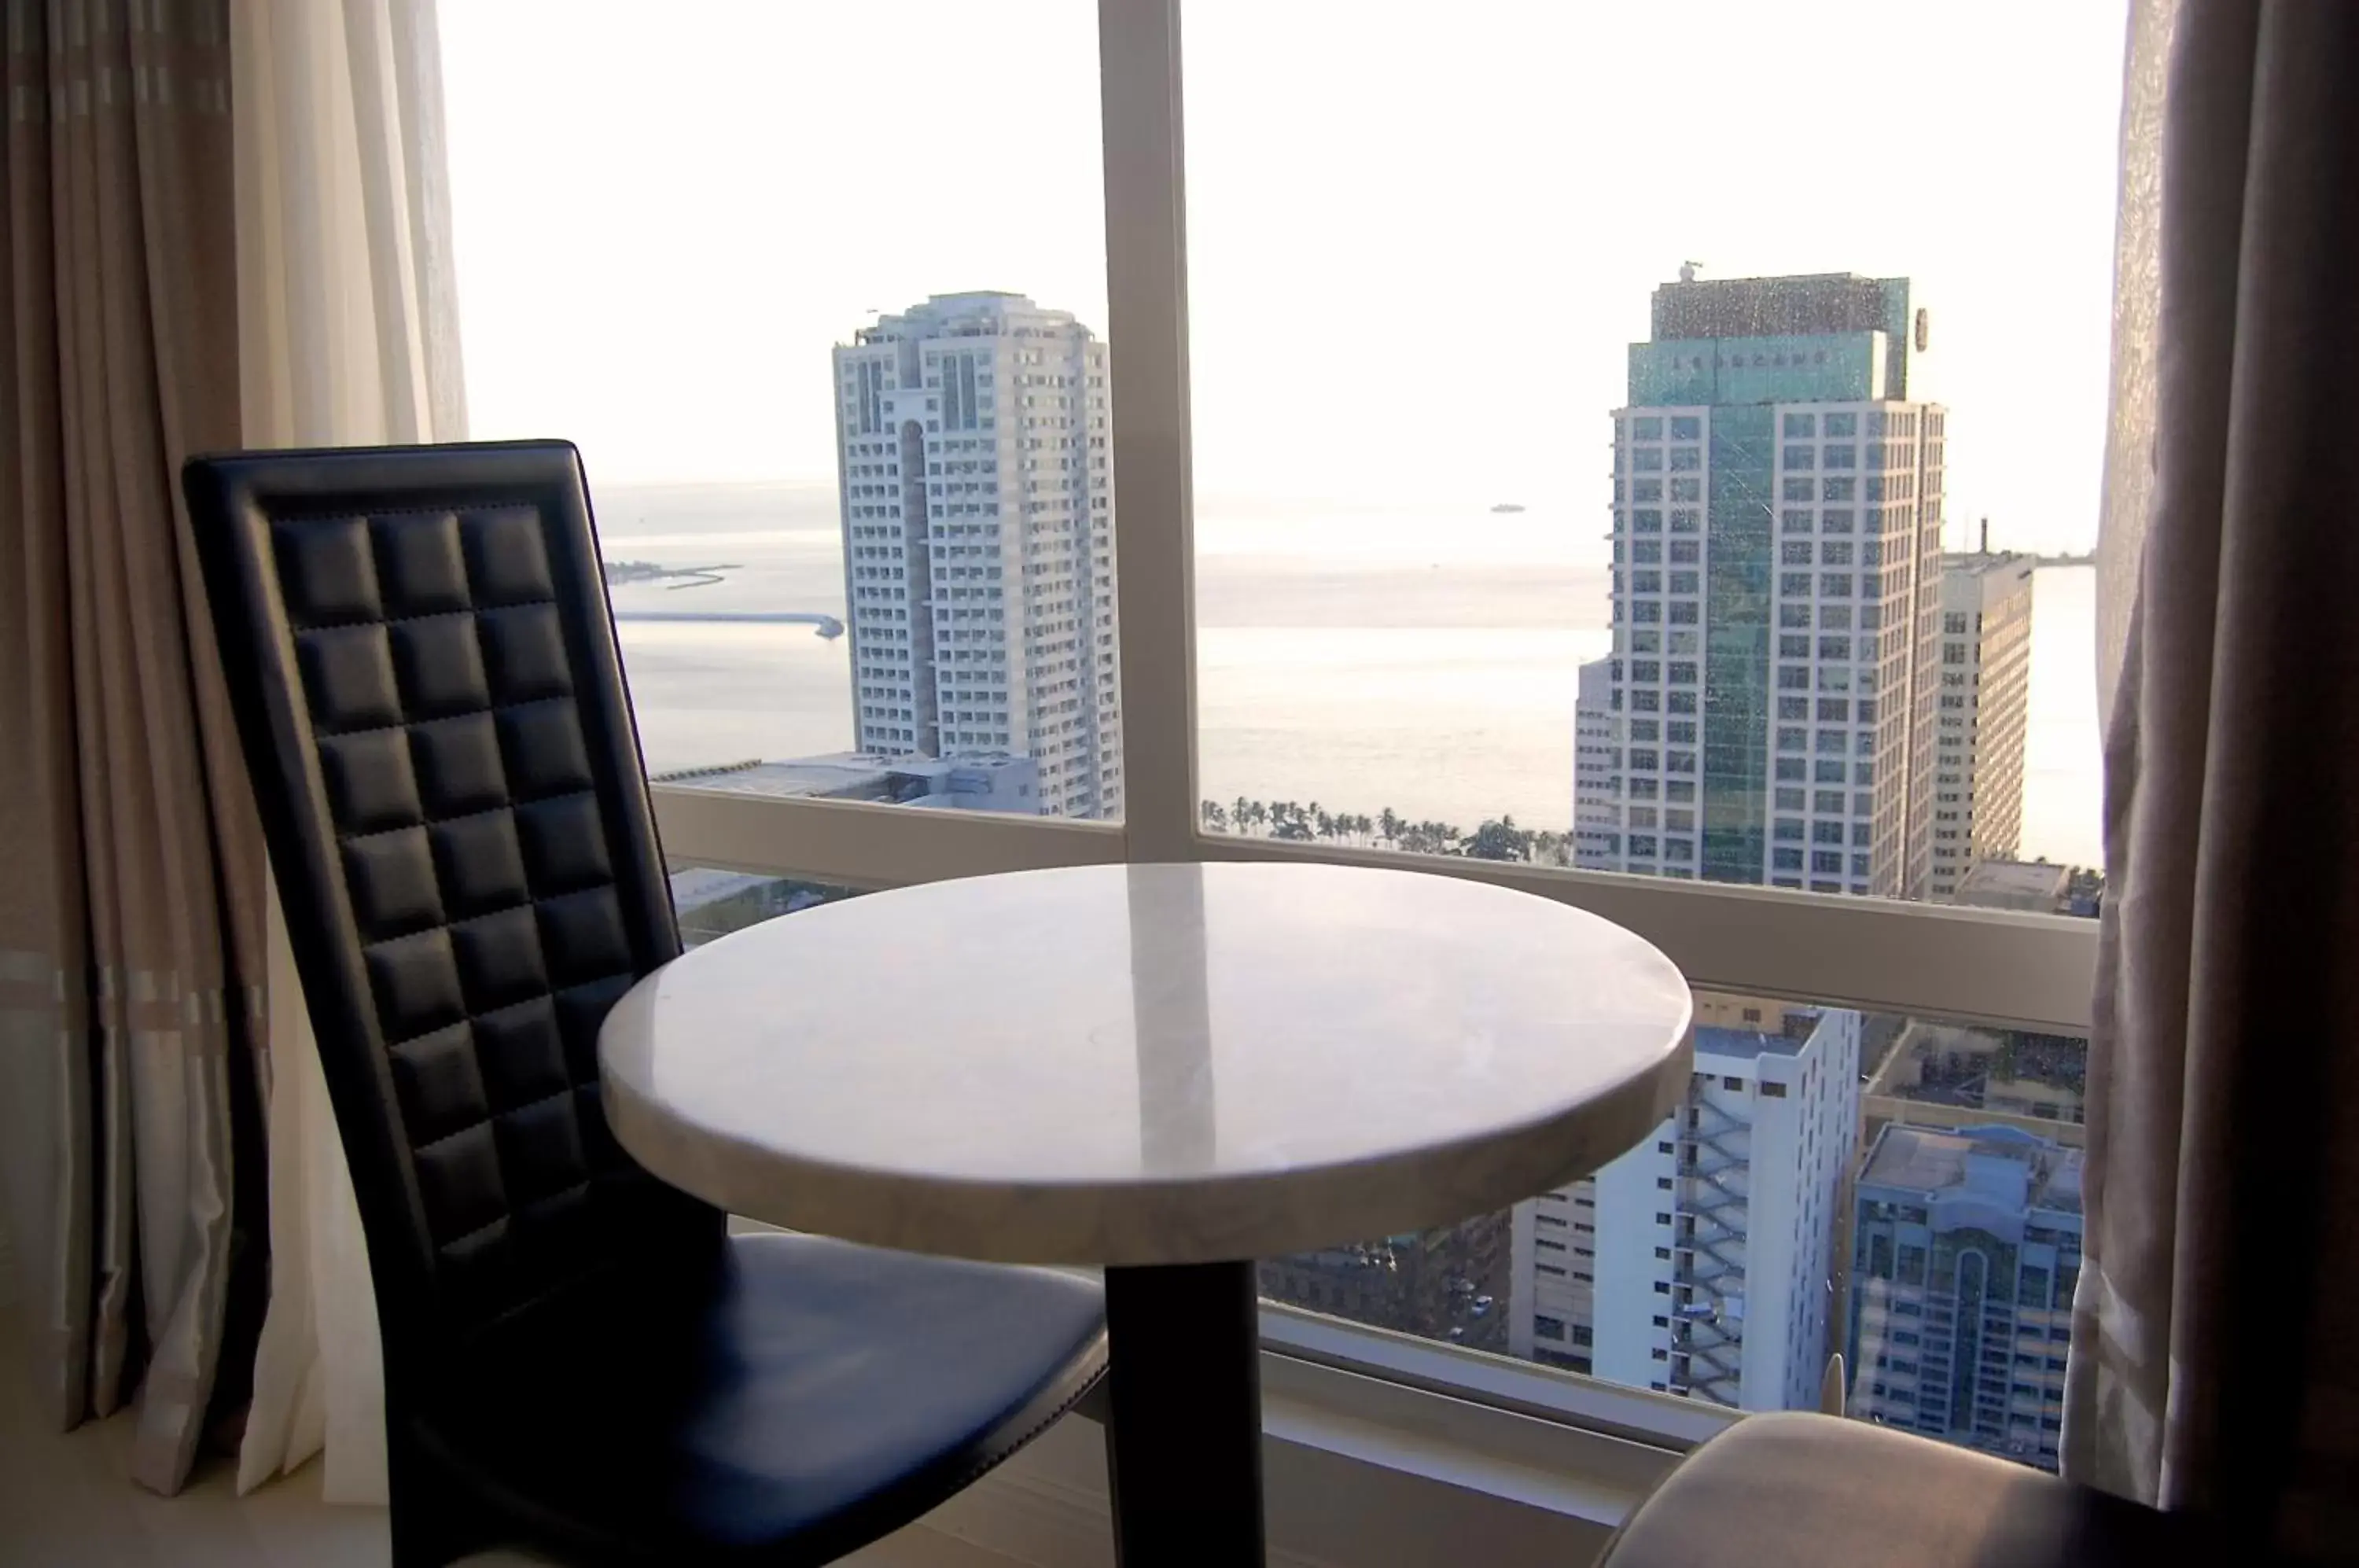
(1146, 219)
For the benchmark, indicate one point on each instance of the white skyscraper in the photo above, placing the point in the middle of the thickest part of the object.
(978, 542)
(1982, 714)
(1703, 1262)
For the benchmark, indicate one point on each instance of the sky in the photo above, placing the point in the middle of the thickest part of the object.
(1420, 236)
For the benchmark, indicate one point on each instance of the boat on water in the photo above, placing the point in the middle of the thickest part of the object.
(1508, 506)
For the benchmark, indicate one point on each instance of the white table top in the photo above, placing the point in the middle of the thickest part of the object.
(1147, 1063)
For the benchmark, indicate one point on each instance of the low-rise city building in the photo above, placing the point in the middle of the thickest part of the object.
(2037, 886)
(1966, 1246)
(984, 782)
(1448, 1283)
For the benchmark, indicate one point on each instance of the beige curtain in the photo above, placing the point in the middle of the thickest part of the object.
(131, 910)
(2213, 1367)
(347, 335)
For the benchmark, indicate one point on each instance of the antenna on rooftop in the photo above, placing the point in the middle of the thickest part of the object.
(1688, 270)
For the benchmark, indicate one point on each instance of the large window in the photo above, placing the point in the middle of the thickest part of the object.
(820, 294)
(1446, 605)
(1465, 514)
(1440, 604)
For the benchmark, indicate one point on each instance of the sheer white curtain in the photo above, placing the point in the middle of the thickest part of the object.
(347, 335)
(2137, 309)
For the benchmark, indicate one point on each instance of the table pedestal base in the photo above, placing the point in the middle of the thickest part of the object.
(1184, 1443)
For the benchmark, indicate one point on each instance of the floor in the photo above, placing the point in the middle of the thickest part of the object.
(68, 1500)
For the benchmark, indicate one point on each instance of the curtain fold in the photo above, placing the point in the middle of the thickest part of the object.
(2212, 1365)
(131, 920)
(347, 335)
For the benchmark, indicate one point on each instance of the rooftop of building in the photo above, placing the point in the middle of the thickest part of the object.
(1995, 1164)
(1982, 563)
(1748, 1045)
(693, 886)
(2033, 885)
(868, 776)
(1987, 559)
(975, 312)
(1814, 334)
(1805, 304)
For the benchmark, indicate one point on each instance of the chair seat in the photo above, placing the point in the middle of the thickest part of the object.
(791, 1400)
(1792, 1490)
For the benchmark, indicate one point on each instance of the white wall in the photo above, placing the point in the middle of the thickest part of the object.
(1628, 1198)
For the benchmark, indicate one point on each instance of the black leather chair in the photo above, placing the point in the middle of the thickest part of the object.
(1793, 1491)
(577, 1357)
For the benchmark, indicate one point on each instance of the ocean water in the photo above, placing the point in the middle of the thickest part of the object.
(1417, 658)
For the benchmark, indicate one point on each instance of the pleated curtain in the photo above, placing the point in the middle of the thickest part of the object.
(2212, 1365)
(131, 899)
(225, 224)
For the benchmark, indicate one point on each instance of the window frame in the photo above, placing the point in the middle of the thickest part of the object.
(1995, 967)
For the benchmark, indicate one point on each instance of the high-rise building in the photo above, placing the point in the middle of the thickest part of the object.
(1777, 544)
(978, 542)
(1596, 767)
(1983, 710)
(1703, 1261)
(1965, 1250)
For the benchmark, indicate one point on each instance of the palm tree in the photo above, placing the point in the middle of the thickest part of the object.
(1496, 838)
(1500, 840)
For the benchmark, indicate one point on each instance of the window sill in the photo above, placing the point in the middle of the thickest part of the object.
(1367, 1467)
(2001, 967)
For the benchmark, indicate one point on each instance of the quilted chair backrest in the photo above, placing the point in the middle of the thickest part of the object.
(433, 716)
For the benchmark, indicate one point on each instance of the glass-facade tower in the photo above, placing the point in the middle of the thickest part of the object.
(1776, 549)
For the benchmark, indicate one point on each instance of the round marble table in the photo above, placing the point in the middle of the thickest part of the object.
(1170, 1070)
